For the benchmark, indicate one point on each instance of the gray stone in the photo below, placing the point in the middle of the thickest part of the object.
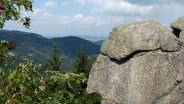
(140, 63)
(178, 24)
(147, 79)
(147, 35)
(181, 36)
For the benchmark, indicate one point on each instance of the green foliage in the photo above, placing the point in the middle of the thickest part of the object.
(63, 88)
(55, 59)
(3, 50)
(10, 10)
(21, 84)
(81, 63)
(4, 47)
(67, 88)
(29, 83)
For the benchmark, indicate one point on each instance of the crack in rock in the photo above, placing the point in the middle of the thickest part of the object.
(141, 63)
(135, 54)
(176, 32)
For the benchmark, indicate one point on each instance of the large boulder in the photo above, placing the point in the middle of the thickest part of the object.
(147, 35)
(140, 63)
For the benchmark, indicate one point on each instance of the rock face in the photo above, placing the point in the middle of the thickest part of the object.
(142, 36)
(140, 63)
(178, 24)
(178, 28)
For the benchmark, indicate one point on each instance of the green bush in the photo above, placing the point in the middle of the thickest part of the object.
(21, 84)
(30, 83)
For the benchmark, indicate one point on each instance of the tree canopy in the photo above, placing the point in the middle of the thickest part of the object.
(55, 60)
(11, 10)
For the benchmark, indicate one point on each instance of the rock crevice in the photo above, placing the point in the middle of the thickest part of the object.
(141, 63)
(135, 54)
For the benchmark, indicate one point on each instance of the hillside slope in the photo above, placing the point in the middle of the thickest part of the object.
(37, 47)
(71, 45)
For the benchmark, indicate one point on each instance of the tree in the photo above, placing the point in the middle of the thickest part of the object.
(5, 46)
(82, 62)
(26, 82)
(55, 59)
(11, 10)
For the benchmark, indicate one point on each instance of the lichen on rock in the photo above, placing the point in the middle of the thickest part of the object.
(140, 63)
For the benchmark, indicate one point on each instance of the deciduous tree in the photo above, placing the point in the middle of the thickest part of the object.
(11, 10)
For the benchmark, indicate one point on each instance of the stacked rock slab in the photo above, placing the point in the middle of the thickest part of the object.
(178, 28)
(140, 63)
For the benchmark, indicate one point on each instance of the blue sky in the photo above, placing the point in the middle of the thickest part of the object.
(95, 18)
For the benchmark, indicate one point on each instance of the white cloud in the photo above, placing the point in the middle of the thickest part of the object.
(75, 21)
(50, 4)
(119, 7)
(155, 2)
(104, 15)
(79, 16)
(66, 3)
(81, 2)
(46, 23)
(36, 12)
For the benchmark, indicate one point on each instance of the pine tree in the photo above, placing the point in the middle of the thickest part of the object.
(82, 62)
(55, 60)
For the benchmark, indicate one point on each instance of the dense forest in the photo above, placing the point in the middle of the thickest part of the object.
(36, 47)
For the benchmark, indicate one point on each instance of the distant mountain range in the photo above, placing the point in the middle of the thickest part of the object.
(99, 42)
(71, 45)
(37, 47)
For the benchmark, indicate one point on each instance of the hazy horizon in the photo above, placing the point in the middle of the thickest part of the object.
(87, 37)
(58, 18)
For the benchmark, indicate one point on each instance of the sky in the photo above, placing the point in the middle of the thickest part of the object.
(95, 18)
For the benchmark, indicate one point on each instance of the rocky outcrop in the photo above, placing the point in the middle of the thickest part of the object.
(178, 28)
(142, 36)
(140, 63)
(178, 24)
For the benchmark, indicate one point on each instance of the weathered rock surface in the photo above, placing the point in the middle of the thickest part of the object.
(141, 63)
(142, 36)
(178, 24)
(181, 36)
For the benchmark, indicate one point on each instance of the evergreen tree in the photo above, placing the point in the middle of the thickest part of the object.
(82, 63)
(55, 60)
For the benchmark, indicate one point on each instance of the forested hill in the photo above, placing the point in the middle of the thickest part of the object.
(37, 47)
(99, 42)
(69, 45)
